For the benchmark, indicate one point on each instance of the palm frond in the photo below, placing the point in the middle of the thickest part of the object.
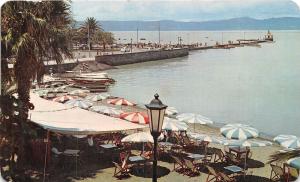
(284, 156)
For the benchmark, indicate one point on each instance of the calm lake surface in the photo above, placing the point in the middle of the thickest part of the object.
(251, 85)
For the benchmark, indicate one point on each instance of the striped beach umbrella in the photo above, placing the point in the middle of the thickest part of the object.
(79, 92)
(135, 117)
(294, 162)
(174, 125)
(248, 143)
(207, 138)
(171, 111)
(288, 141)
(239, 131)
(141, 137)
(83, 104)
(63, 98)
(194, 118)
(97, 97)
(106, 110)
(121, 101)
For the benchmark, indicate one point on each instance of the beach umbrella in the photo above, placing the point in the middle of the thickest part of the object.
(121, 101)
(135, 117)
(83, 104)
(288, 141)
(207, 138)
(141, 137)
(174, 125)
(239, 131)
(60, 89)
(97, 97)
(171, 111)
(106, 110)
(63, 98)
(194, 118)
(294, 162)
(41, 92)
(248, 143)
(79, 92)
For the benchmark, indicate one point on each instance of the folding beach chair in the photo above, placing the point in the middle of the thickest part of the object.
(181, 165)
(123, 169)
(212, 175)
(277, 173)
(218, 155)
(191, 168)
(226, 178)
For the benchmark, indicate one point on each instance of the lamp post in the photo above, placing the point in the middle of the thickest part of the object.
(156, 112)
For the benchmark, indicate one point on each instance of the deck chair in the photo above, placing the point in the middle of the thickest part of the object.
(292, 173)
(226, 178)
(218, 156)
(123, 169)
(181, 165)
(231, 159)
(212, 175)
(277, 173)
(191, 168)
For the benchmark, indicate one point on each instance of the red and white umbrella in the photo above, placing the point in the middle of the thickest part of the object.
(121, 101)
(135, 117)
(63, 98)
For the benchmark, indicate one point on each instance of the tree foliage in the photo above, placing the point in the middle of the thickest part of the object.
(31, 32)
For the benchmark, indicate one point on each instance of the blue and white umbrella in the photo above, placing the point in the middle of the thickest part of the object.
(194, 118)
(294, 162)
(288, 141)
(171, 111)
(248, 143)
(239, 131)
(84, 104)
(207, 138)
(174, 125)
(106, 110)
(97, 97)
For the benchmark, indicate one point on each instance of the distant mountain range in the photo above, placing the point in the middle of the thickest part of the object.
(244, 23)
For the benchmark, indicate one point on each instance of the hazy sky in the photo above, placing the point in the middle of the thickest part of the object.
(190, 10)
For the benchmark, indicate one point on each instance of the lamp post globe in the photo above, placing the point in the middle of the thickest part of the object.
(156, 111)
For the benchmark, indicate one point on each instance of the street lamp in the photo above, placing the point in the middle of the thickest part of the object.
(156, 112)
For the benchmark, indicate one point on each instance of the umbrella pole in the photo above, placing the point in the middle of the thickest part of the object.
(46, 153)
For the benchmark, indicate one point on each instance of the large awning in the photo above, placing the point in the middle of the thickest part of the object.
(66, 119)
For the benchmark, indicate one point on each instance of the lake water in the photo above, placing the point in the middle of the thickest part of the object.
(256, 86)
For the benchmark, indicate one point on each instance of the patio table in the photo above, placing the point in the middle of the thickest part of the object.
(195, 156)
(235, 170)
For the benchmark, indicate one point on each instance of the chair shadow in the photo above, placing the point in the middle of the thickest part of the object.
(138, 171)
(250, 178)
(251, 163)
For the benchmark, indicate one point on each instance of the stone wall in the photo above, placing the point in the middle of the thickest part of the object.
(139, 57)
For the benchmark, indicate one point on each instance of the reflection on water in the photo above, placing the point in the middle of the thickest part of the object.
(257, 86)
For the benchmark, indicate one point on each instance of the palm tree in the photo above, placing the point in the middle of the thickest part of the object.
(89, 28)
(104, 38)
(31, 33)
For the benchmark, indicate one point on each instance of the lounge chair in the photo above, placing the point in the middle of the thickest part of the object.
(226, 178)
(218, 155)
(123, 169)
(181, 165)
(212, 175)
(277, 173)
(191, 168)
(232, 159)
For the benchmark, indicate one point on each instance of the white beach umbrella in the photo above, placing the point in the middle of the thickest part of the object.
(288, 141)
(239, 131)
(60, 89)
(41, 92)
(141, 137)
(248, 143)
(84, 104)
(171, 111)
(207, 138)
(97, 97)
(63, 98)
(174, 125)
(79, 92)
(194, 118)
(106, 110)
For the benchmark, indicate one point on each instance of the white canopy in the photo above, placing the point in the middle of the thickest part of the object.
(66, 119)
